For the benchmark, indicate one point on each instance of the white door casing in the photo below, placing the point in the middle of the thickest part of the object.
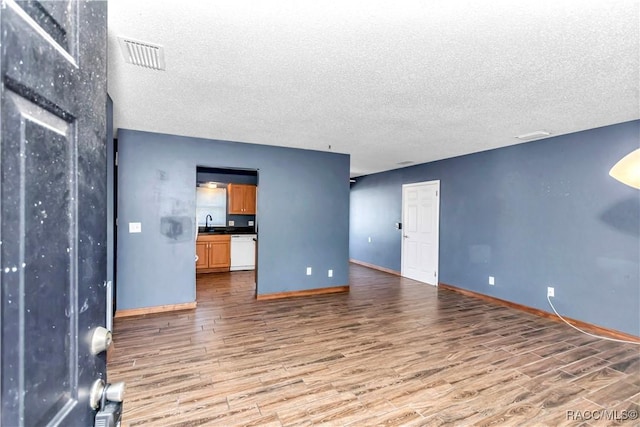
(420, 231)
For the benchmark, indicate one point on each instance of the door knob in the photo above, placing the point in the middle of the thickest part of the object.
(115, 392)
(101, 392)
(107, 400)
(405, 236)
(100, 340)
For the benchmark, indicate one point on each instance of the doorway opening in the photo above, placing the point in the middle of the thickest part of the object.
(226, 215)
(421, 230)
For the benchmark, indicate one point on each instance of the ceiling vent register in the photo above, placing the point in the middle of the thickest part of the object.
(143, 54)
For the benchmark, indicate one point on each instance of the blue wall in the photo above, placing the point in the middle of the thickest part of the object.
(533, 215)
(303, 208)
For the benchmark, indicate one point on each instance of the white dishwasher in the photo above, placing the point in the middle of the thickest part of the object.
(243, 252)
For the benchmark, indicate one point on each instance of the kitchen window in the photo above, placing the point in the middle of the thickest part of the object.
(211, 201)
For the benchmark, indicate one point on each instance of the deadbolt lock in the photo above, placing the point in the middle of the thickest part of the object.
(101, 340)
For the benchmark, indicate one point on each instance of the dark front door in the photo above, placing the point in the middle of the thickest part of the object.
(52, 223)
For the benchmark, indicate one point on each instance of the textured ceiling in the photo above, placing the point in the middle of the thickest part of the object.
(385, 81)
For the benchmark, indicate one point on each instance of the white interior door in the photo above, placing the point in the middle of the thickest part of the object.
(420, 231)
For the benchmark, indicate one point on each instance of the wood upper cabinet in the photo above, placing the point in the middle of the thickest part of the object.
(236, 199)
(214, 253)
(242, 199)
(250, 199)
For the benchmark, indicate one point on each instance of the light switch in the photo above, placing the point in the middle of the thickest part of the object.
(135, 227)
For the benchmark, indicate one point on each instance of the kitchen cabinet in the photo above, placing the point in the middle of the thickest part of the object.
(242, 199)
(202, 252)
(214, 253)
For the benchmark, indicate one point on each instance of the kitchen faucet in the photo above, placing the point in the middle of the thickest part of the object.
(206, 220)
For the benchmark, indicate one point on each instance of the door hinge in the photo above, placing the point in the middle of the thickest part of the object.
(435, 274)
(116, 159)
(116, 222)
(436, 193)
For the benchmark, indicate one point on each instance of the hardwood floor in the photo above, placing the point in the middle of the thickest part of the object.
(390, 352)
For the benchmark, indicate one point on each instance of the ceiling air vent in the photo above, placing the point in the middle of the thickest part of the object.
(143, 54)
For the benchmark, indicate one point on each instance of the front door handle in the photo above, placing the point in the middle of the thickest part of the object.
(107, 400)
(101, 392)
(115, 392)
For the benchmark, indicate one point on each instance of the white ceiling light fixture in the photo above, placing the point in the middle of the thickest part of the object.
(533, 135)
(210, 184)
(627, 170)
(143, 54)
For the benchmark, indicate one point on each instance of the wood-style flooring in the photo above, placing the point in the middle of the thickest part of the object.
(390, 352)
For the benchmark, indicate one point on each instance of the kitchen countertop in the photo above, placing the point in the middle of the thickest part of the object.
(227, 230)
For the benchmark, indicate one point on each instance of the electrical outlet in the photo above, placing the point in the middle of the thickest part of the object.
(135, 227)
(250, 223)
(492, 280)
(551, 292)
(232, 223)
(330, 273)
(308, 271)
